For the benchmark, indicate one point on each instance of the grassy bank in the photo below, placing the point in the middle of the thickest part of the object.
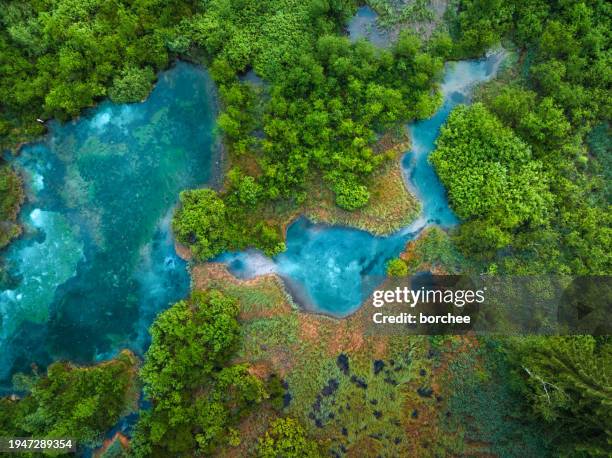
(357, 394)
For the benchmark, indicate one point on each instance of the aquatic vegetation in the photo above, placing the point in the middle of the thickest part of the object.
(393, 12)
(355, 394)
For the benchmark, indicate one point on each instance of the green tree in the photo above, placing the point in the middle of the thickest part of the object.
(199, 333)
(351, 195)
(133, 84)
(567, 380)
(197, 395)
(286, 438)
(200, 222)
(58, 57)
(82, 403)
(489, 171)
(397, 268)
(248, 191)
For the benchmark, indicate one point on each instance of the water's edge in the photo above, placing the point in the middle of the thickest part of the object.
(332, 269)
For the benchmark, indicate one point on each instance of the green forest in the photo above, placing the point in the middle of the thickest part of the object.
(527, 169)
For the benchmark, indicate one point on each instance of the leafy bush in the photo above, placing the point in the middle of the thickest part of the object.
(286, 438)
(200, 222)
(351, 196)
(82, 403)
(133, 84)
(397, 268)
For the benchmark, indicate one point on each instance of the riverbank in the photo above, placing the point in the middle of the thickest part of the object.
(405, 388)
(12, 196)
(391, 205)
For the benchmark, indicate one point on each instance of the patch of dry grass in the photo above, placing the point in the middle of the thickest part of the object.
(303, 348)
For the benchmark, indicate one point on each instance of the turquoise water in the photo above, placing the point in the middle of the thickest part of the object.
(332, 269)
(97, 261)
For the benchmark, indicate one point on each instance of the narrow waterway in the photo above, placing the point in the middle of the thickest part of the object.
(97, 260)
(332, 269)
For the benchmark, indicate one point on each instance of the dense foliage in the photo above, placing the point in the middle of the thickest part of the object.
(567, 44)
(317, 115)
(74, 402)
(563, 222)
(558, 107)
(493, 181)
(397, 268)
(57, 57)
(209, 226)
(287, 439)
(568, 383)
(197, 395)
(493, 418)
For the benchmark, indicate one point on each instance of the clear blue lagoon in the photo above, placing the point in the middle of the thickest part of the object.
(97, 260)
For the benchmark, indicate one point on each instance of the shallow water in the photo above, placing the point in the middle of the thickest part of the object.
(332, 269)
(364, 25)
(97, 261)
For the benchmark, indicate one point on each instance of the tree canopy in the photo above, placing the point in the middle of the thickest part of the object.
(315, 119)
(81, 403)
(57, 57)
(567, 381)
(197, 395)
